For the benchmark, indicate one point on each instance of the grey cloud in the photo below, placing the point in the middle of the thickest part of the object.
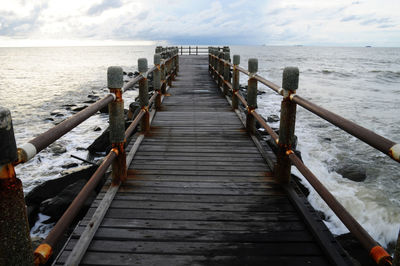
(11, 25)
(375, 21)
(103, 6)
(350, 18)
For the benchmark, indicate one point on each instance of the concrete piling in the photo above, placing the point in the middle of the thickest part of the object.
(251, 94)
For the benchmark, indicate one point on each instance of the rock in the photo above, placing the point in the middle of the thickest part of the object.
(104, 110)
(353, 172)
(56, 206)
(123, 73)
(101, 144)
(260, 92)
(357, 252)
(51, 188)
(273, 118)
(134, 109)
(57, 113)
(32, 213)
(78, 109)
(97, 128)
(70, 165)
(93, 97)
(90, 101)
(327, 139)
(57, 148)
(130, 74)
(49, 119)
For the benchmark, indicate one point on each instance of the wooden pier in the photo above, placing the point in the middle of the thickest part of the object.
(199, 192)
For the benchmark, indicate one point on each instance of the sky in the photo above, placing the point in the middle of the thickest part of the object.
(200, 22)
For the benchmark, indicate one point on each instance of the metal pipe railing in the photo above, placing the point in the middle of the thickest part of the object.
(290, 78)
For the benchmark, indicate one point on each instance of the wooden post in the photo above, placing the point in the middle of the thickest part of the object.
(197, 50)
(163, 81)
(117, 123)
(235, 82)
(144, 94)
(177, 61)
(227, 69)
(181, 50)
(15, 242)
(290, 83)
(189, 49)
(157, 80)
(251, 95)
(220, 68)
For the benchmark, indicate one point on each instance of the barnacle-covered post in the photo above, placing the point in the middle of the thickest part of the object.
(144, 94)
(117, 123)
(290, 83)
(157, 80)
(15, 241)
(235, 81)
(227, 75)
(251, 95)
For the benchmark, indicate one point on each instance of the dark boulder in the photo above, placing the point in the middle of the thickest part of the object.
(69, 165)
(56, 206)
(78, 109)
(52, 187)
(57, 148)
(101, 144)
(353, 172)
(273, 118)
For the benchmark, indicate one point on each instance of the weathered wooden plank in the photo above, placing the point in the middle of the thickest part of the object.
(269, 206)
(200, 215)
(198, 225)
(214, 173)
(193, 248)
(246, 236)
(122, 259)
(199, 178)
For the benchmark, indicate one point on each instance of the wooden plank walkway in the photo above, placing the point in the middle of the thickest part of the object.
(200, 193)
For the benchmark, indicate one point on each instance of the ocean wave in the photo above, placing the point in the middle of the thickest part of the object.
(387, 76)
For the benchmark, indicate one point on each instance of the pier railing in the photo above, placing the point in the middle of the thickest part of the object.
(193, 50)
(220, 69)
(13, 219)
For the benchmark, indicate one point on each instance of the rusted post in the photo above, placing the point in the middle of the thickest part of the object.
(235, 82)
(163, 81)
(144, 94)
(290, 83)
(157, 80)
(177, 61)
(396, 258)
(251, 95)
(117, 124)
(227, 69)
(15, 242)
(220, 68)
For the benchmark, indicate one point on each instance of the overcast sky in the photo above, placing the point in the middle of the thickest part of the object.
(202, 22)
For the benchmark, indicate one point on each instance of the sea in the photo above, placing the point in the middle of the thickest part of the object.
(362, 84)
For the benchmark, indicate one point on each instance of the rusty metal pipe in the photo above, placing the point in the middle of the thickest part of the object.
(43, 252)
(45, 139)
(380, 143)
(153, 97)
(262, 122)
(354, 227)
(268, 83)
(134, 124)
(132, 83)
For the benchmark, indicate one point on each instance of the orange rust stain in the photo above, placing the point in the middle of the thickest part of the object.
(7, 171)
(118, 94)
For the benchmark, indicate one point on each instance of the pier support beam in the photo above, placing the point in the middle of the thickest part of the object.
(290, 83)
(15, 242)
(251, 95)
(157, 80)
(227, 76)
(144, 94)
(235, 81)
(117, 124)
